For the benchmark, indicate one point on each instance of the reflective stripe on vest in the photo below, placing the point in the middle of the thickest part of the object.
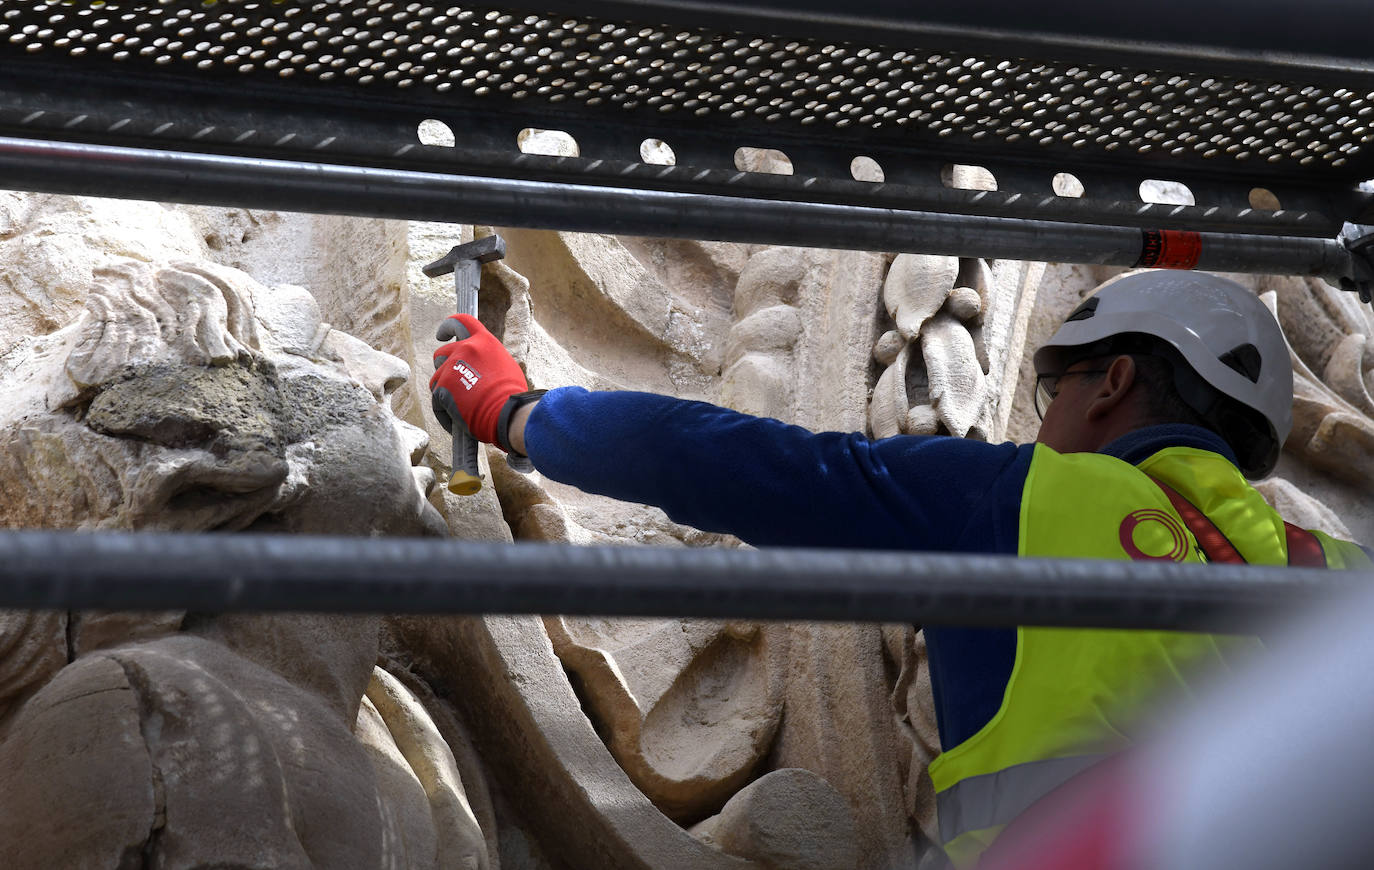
(1077, 693)
(994, 799)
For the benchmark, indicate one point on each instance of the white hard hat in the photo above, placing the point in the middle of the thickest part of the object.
(1221, 330)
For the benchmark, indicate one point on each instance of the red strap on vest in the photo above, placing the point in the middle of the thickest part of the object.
(1216, 545)
(1304, 550)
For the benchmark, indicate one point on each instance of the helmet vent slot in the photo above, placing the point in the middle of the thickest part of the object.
(1084, 311)
(1244, 358)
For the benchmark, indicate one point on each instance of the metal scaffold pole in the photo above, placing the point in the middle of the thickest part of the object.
(254, 572)
(174, 176)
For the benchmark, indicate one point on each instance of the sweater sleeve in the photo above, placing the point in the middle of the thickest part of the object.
(774, 484)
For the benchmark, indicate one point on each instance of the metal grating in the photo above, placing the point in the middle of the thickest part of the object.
(438, 53)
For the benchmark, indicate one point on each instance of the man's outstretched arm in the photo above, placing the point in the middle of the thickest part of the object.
(768, 482)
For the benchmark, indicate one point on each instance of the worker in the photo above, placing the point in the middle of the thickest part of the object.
(1159, 396)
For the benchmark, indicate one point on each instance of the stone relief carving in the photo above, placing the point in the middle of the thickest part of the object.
(688, 708)
(188, 396)
(959, 327)
(759, 372)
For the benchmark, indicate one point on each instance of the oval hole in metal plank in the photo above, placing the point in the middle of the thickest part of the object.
(1067, 184)
(964, 177)
(866, 169)
(1161, 192)
(1263, 199)
(768, 160)
(550, 143)
(435, 132)
(656, 152)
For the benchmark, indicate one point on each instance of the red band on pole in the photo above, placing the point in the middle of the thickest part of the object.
(1169, 249)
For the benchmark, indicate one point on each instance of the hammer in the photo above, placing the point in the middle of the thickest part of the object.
(465, 262)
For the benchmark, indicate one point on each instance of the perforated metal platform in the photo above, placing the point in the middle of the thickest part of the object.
(659, 96)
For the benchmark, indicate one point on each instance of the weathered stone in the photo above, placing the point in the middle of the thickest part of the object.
(890, 404)
(889, 344)
(965, 303)
(958, 385)
(917, 286)
(33, 647)
(415, 751)
(407, 825)
(77, 786)
(913, 705)
(689, 707)
(768, 329)
(759, 384)
(839, 725)
(188, 396)
(921, 420)
(52, 246)
(532, 725)
(789, 819)
(771, 277)
(197, 418)
(184, 735)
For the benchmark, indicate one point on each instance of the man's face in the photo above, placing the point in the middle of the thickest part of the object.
(287, 428)
(1065, 427)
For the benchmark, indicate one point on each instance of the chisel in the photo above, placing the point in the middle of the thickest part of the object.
(465, 262)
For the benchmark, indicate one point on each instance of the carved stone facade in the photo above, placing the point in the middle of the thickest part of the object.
(163, 368)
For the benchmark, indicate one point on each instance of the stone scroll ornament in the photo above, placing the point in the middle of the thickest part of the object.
(180, 394)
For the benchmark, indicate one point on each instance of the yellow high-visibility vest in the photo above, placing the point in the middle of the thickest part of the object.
(1078, 695)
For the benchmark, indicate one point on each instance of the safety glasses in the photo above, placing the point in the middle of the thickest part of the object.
(1047, 387)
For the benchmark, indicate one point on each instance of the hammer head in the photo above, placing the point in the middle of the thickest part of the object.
(482, 250)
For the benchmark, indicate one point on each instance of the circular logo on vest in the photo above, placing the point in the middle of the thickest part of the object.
(1157, 531)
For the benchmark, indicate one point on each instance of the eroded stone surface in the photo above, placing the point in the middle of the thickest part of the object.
(789, 819)
(960, 330)
(61, 805)
(419, 779)
(688, 707)
(533, 729)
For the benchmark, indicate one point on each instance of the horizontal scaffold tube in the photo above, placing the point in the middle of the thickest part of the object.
(324, 188)
(45, 570)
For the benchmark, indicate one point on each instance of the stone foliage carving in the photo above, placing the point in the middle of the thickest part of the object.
(959, 327)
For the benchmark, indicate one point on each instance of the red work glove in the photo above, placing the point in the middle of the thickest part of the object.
(473, 378)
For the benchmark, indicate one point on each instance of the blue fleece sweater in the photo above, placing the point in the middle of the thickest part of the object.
(774, 484)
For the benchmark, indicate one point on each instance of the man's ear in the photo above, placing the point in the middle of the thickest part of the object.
(1112, 388)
